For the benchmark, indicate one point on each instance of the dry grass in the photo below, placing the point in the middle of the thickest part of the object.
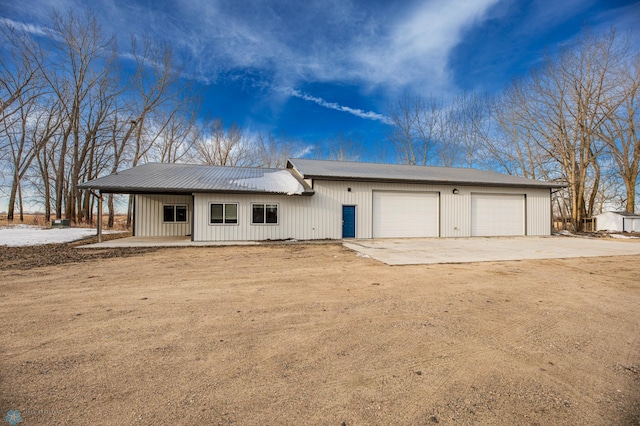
(120, 222)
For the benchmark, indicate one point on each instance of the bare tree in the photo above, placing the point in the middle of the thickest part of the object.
(342, 148)
(558, 107)
(22, 147)
(468, 122)
(81, 74)
(272, 151)
(21, 65)
(619, 128)
(416, 127)
(147, 108)
(222, 146)
(21, 84)
(509, 146)
(178, 135)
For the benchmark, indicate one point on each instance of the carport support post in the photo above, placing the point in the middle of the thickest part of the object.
(99, 217)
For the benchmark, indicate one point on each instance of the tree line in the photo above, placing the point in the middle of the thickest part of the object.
(573, 119)
(74, 107)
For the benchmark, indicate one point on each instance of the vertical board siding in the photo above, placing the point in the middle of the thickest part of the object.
(149, 216)
(320, 216)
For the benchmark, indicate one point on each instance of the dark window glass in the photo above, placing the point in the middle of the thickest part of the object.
(216, 213)
(169, 213)
(230, 213)
(181, 213)
(271, 213)
(258, 213)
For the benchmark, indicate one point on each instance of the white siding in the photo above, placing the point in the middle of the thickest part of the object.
(612, 221)
(148, 218)
(320, 216)
(609, 221)
(632, 224)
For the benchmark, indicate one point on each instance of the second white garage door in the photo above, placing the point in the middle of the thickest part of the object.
(405, 214)
(497, 215)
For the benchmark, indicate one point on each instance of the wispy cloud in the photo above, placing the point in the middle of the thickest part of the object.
(377, 46)
(369, 115)
(415, 52)
(28, 28)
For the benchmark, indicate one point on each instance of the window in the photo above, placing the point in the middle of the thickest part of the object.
(173, 213)
(223, 214)
(264, 214)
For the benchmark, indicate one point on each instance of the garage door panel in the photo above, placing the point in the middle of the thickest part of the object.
(497, 215)
(405, 214)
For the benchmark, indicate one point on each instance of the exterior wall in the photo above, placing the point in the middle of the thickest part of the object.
(611, 221)
(149, 216)
(632, 225)
(320, 216)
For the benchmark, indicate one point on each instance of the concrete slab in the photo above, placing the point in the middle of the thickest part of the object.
(419, 251)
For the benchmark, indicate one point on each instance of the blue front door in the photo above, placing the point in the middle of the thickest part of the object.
(348, 221)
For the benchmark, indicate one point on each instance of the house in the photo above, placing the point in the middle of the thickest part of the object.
(618, 222)
(316, 199)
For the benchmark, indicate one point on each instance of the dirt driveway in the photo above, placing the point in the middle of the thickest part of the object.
(315, 334)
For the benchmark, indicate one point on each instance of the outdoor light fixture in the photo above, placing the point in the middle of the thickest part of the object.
(455, 191)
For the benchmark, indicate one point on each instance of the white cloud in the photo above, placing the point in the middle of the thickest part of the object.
(387, 47)
(341, 41)
(369, 115)
(416, 51)
(28, 28)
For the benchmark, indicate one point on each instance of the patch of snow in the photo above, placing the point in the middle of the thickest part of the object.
(366, 256)
(566, 233)
(281, 182)
(623, 237)
(29, 235)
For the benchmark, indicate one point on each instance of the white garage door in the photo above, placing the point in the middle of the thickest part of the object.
(497, 214)
(405, 214)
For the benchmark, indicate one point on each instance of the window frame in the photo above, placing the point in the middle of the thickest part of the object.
(264, 215)
(224, 214)
(175, 213)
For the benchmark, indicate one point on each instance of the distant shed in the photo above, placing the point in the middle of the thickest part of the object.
(618, 222)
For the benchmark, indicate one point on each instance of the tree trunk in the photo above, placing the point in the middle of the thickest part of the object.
(20, 203)
(111, 220)
(12, 197)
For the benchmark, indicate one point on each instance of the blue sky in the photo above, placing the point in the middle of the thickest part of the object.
(310, 70)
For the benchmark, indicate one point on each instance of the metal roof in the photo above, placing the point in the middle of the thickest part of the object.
(625, 214)
(190, 178)
(347, 170)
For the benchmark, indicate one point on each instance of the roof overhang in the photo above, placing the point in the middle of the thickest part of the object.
(156, 178)
(432, 182)
(174, 191)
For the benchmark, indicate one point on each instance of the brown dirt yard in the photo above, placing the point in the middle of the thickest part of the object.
(314, 334)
